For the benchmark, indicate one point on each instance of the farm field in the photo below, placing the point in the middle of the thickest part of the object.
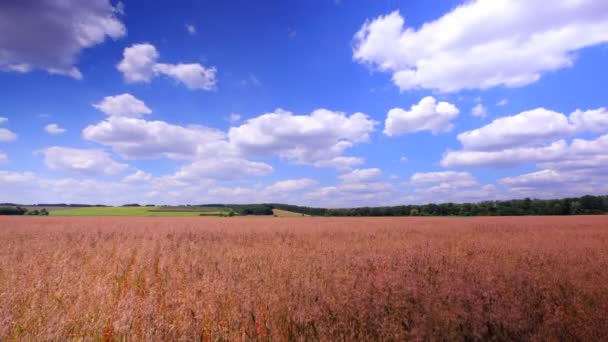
(210, 278)
(139, 211)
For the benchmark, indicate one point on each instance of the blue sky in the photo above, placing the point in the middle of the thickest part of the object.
(324, 102)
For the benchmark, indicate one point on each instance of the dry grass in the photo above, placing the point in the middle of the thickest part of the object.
(285, 213)
(309, 278)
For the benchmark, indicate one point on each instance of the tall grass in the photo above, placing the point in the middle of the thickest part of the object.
(308, 278)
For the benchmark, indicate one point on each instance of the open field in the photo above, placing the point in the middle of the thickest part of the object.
(139, 211)
(501, 278)
(285, 213)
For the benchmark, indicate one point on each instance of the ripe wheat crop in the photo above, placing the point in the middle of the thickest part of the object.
(304, 278)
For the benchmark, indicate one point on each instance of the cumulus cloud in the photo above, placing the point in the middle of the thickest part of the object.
(361, 175)
(291, 185)
(529, 127)
(317, 139)
(49, 34)
(7, 135)
(529, 136)
(30, 188)
(123, 105)
(54, 129)
(234, 118)
(137, 176)
(3, 120)
(479, 111)
(3, 157)
(135, 138)
(482, 44)
(140, 64)
(427, 115)
(81, 161)
(452, 177)
(595, 120)
(549, 183)
(347, 194)
(219, 168)
(505, 157)
(448, 186)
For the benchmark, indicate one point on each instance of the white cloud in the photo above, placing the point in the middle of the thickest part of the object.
(361, 175)
(191, 29)
(595, 120)
(234, 118)
(30, 188)
(502, 103)
(7, 135)
(135, 138)
(123, 105)
(219, 168)
(291, 185)
(353, 194)
(81, 161)
(49, 34)
(3, 120)
(139, 64)
(528, 137)
(529, 127)
(3, 157)
(428, 115)
(479, 111)
(505, 157)
(482, 44)
(138, 176)
(453, 177)
(54, 129)
(317, 139)
(548, 183)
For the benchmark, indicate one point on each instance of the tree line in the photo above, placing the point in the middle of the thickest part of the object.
(585, 205)
(23, 211)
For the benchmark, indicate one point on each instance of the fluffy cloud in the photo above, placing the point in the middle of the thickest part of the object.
(361, 175)
(139, 64)
(54, 129)
(529, 127)
(50, 34)
(123, 105)
(530, 137)
(219, 168)
(81, 161)
(506, 157)
(353, 194)
(548, 183)
(317, 139)
(30, 188)
(3, 120)
(137, 176)
(479, 111)
(427, 115)
(595, 120)
(448, 186)
(453, 177)
(7, 135)
(483, 43)
(291, 185)
(3, 157)
(135, 138)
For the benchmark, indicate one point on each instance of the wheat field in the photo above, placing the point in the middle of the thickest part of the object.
(526, 278)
